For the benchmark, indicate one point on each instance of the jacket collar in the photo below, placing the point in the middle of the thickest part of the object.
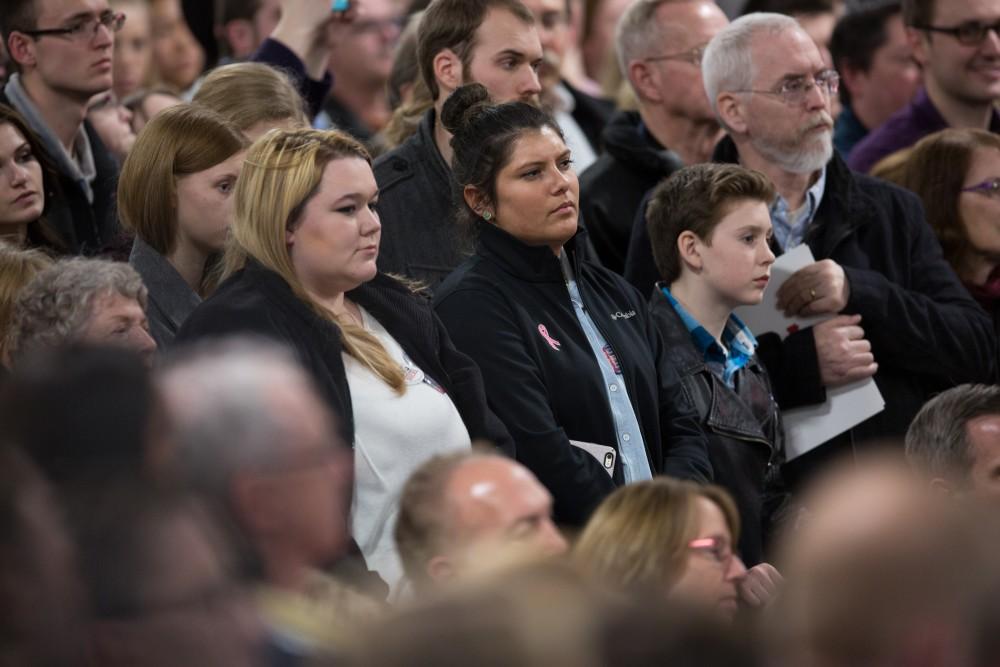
(172, 296)
(426, 143)
(532, 263)
(840, 212)
(627, 139)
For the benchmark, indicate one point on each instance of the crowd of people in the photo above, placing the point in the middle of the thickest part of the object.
(406, 332)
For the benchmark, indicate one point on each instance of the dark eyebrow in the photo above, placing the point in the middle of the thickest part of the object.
(511, 53)
(82, 15)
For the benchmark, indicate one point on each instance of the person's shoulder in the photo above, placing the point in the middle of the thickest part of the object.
(396, 165)
(473, 276)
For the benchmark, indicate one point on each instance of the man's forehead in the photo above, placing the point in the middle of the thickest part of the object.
(953, 12)
(501, 30)
(68, 8)
(786, 54)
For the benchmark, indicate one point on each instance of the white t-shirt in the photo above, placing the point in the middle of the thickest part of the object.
(393, 435)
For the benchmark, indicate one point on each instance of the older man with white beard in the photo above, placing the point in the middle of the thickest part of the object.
(899, 312)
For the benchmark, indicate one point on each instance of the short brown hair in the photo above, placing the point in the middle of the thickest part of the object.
(17, 15)
(918, 12)
(178, 141)
(696, 198)
(452, 24)
(935, 169)
(638, 536)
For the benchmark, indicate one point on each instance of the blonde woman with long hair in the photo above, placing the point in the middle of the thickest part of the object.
(300, 268)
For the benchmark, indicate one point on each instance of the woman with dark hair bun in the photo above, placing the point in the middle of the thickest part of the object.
(572, 364)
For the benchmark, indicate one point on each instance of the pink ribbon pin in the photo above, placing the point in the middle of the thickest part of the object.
(553, 343)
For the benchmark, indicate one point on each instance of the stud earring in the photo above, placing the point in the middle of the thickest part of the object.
(487, 216)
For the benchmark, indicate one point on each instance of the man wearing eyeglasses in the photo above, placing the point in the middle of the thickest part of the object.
(897, 311)
(360, 60)
(659, 45)
(61, 50)
(957, 43)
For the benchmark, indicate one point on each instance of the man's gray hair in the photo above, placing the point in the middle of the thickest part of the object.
(57, 304)
(937, 442)
(638, 34)
(728, 63)
(220, 398)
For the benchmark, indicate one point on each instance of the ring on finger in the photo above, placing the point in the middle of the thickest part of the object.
(812, 293)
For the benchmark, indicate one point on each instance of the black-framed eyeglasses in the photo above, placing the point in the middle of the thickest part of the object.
(970, 34)
(990, 188)
(795, 90)
(83, 28)
(692, 56)
(717, 548)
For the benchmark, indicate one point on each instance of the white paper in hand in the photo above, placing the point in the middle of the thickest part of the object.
(845, 407)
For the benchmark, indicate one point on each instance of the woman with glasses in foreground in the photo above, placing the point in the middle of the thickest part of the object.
(674, 536)
(956, 173)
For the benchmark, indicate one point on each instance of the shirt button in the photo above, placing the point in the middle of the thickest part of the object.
(626, 437)
(613, 387)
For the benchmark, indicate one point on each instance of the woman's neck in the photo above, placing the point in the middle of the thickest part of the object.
(16, 235)
(189, 261)
(977, 269)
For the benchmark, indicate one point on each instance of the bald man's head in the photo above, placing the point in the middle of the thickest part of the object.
(456, 509)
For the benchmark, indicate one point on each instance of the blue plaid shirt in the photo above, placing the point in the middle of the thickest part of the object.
(790, 231)
(735, 352)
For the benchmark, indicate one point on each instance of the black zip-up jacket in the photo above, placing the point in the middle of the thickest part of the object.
(926, 331)
(509, 309)
(258, 301)
(611, 188)
(743, 426)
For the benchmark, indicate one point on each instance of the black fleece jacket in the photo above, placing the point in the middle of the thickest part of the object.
(495, 307)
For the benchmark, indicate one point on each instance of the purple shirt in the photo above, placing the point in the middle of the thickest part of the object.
(903, 129)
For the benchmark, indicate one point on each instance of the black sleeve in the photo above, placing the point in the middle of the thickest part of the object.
(519, 397)
(932, 327)
(683, 442)
(793, 367)
(469, 394)
(640, 268)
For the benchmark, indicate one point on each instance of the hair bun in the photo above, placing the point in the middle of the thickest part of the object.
(463, 106)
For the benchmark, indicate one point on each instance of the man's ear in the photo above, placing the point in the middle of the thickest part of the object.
(853, 79)
(21, 49)
(440, 569)
(447, 71)
(919, 42)
(689, 249)
(643, 80)
(732, 112)
(943, 488)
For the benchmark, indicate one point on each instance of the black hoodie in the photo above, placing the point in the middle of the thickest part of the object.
(612, 187)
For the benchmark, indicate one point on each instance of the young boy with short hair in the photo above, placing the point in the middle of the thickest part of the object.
(710, 230)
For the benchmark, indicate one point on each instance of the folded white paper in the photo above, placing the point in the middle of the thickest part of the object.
(845, 407)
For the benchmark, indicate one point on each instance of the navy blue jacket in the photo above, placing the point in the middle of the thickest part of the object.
(493, 306)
